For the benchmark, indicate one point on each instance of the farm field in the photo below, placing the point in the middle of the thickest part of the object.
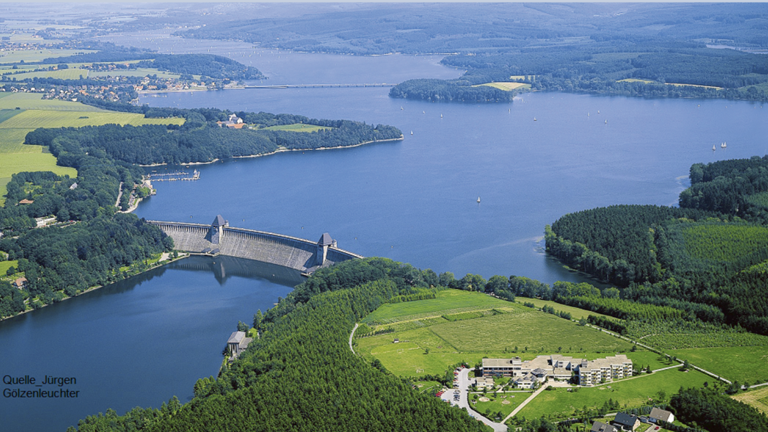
(34, 101)
(33, 119)
(18, 162)
(575, 312)
(37, 55)
(506, 86)
(482, 326)
(642, 358)
(297, 127)
(68, 74)
(138, 72)
(756, 398)
(629, 393)
(447, 302)
(742, 364)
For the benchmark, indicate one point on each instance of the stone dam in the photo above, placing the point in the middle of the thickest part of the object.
(221, 239)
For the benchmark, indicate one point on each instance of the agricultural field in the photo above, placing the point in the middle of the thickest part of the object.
(297, 127)
(35, 101)
(138, 72)
(33, 119)
(756, 398)
(631, 80)
(743, 364)
(37, 55)
(575, 312)
(34, 112)
(629, 393)
(506, 86)
(467, 326)
(67, 74)
(447, 302)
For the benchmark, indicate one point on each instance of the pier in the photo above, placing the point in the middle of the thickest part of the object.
(289, 86)
(219, 238)
(174, 176)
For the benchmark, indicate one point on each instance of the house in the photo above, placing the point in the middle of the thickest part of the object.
(26, 201)
(20, 282)
(660, 414)
(237, 343)
(626, 422)
(602, 427)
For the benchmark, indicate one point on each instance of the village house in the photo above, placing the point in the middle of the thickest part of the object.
(602, 427)
(20, 283)
(660, 414)
(590, 372)
(626, 422)
(237, 343)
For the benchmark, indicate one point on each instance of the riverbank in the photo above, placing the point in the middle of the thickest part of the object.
(165, 259)
(280, 150)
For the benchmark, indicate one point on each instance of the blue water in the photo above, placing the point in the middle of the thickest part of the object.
(139, 342)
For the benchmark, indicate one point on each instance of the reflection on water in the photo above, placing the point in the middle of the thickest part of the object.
(137, 342)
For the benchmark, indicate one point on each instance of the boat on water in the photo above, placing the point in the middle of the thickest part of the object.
(441, 116)
(534, 119)
(606, 122)
(723, 145)
(411, 132)
(478, 200)
(401, 108)
(713, 148)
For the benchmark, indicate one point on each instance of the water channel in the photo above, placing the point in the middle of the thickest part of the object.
(141, 341)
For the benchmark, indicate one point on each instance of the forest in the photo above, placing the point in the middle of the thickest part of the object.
(707, 258)
(303, 362)
(201, 139)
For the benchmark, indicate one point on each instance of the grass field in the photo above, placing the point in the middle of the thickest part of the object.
(18, 162)
(505, 403)
(503, 326)
(37, 55)
(68, 74)
(297, 127)
(740, 364)
(576, 313)
(694, 85)
(5, 265)
(34, 101)
(637, 80)
(629, 393)
(756, 398)
(447, 302)
(138, 72)
(506, 86)
(33, 119)
(642, 358)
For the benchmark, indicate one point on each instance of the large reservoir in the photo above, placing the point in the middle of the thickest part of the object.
(142, 341)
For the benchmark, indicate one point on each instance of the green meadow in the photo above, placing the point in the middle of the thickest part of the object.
(742, 364)
(575, 312)
(478, 326)
(629, 393)
(37, 55)
(297, 127)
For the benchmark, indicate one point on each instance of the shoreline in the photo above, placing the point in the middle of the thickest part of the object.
(279, 150)
(94, 288)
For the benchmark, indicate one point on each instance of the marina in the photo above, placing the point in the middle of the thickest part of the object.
(174, 176)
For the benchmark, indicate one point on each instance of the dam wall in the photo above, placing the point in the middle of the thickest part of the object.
(220, 239)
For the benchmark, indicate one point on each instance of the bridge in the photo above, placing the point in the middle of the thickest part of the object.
(288, 86)
(219, 238)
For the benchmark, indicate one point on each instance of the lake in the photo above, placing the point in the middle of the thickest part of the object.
(141, 341)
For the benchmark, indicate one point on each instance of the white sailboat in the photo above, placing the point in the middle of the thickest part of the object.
(478, 200)
(723, 145)
(713, 148)
(411, 132)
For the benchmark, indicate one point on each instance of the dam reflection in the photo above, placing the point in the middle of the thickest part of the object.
(225, 267)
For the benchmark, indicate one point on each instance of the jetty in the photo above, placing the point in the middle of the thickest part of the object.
(174, 176)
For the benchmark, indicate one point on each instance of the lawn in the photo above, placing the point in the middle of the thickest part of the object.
(629, 393)
(4, 265)
(298, 127)
(756, 398)
(642, 358)
(18, 162)
(502, 402)
(12, 141)
(747, 363)
(448, 302)
(576, 313)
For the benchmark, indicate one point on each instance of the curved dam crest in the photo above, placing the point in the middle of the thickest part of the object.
(221, 239)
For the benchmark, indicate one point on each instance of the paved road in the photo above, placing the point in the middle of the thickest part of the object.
(464, 383)
(525, 402)
(350, 339)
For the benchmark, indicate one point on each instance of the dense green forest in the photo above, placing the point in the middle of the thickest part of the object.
(716, 412)
(707, 258)
(201, 139)
(435, 90)
(303, 362)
